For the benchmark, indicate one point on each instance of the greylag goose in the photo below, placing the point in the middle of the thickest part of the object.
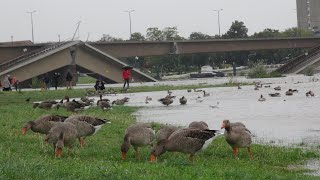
(261, 98)
(137, 135)
(148, 99)
(104, 105)
(165, 132)
(237, 137)
(62, 135)
(187, 141)
(275, 94)
(166, 101)
(43, 124)
(86, 125)
(201, 125)
(205, 94)
(183, 100)
(278, 88)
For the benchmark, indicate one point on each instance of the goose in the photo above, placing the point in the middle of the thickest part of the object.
(256, 88)
(215, 106)
(164, 132)
(28, 99)
(310, 93)
(261, 98)
(233, 124)
(62, 135)
(239, 87)
(107, 100)
(197, 90)
(237, 137)
(183, 100)
(188, 141)
(43, 105)
(169, 92)
(86, 125)
(120, 101)
(289, 93)
(43, 124)
(104, 105)
(278, 88)
(275, 94)
(189, 90)
(205, 94)
(137, 135)
(201, 125)
(166, 101)
(148, 99)
(73, 103)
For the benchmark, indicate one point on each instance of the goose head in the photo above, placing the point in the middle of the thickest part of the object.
(158, 149)
(225, 124)
(27, 126)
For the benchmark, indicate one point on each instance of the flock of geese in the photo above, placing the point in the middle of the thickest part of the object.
(185, 140)
(62, 131)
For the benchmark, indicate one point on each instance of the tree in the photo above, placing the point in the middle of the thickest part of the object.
(108, 38)
(297, 32)
(267, 33)
(171, 33)
(237, 30)
(137, 37)
(198, 36)
(154, 34)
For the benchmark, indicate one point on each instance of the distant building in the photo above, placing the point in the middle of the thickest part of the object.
(308, 14)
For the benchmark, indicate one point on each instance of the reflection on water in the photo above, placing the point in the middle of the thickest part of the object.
(286, 119)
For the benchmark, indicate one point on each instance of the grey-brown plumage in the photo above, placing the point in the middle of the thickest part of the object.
(63, 134)
(187, 141)
(86, 125)
(43, 105)
(137, 135)
(43, 124)
(166, 101)
(121, 101)
(165, 132)
(183, 100)
(201, 125)
(237, 136)
(104, 105)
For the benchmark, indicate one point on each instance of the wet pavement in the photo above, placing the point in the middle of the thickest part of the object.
(282, 120)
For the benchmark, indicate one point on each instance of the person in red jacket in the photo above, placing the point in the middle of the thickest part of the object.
(126, 77)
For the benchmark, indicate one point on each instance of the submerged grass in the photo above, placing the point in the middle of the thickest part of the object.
(29, 157)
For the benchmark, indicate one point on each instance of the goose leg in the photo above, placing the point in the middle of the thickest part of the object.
(191, 157)
(137, 152)
(235, 152)
(249, 152)
(81, 141)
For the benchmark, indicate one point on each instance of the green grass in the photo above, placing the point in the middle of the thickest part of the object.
(29, 157)
(86, 80)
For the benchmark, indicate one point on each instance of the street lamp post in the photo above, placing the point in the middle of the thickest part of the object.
(218, 10)
(129, 12)
(31, 12)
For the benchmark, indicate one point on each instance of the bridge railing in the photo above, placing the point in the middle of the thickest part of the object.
(303, 58)
(29, 55)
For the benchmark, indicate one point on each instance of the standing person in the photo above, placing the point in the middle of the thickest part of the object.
(126, 76)
(69, 79)
(6, 83)
(234, 69)
(14, 83)
(56, 80)
(46, 81)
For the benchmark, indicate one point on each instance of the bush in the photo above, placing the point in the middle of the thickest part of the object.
(309, 71)
(259, 71)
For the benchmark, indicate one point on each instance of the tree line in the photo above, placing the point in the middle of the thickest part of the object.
(193, 62)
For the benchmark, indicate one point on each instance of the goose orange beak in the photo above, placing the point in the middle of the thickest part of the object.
(123, 155)
(153, 158)
(222, 126)
(24, 130)
(59, 152)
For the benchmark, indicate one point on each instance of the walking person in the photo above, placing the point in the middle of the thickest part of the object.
(56, 80)
(6, 83)
(126, 74)
(69, 80)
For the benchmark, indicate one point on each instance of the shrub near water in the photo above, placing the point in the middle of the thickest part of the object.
(29, 157)
(259, 71)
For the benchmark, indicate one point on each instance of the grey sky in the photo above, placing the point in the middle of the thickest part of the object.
(108, 17)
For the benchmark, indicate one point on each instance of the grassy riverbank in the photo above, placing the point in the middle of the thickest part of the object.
(28, 157)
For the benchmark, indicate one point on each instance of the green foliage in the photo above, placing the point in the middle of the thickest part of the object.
(237, 30)
(35, 83)
(136, 36)
(199, 36)
(309, 71)
(259, 71)
(267, 33)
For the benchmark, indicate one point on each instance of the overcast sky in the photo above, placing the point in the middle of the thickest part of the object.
(53, 17)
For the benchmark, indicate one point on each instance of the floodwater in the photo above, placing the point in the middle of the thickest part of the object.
(282, 120)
